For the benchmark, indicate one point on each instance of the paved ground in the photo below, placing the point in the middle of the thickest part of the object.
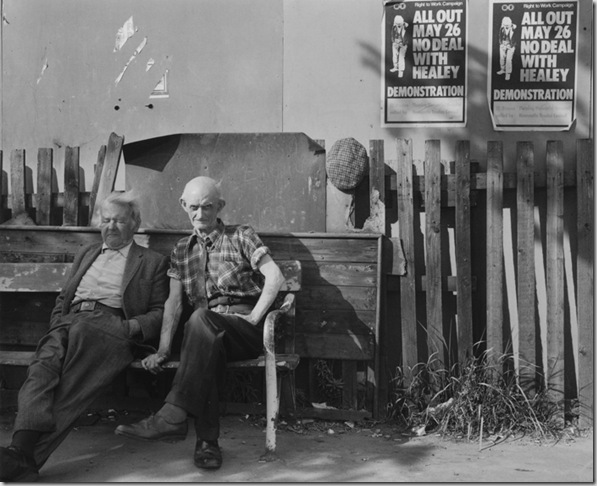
(311, 452)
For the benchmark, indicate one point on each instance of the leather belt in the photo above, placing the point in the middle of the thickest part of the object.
(91, 305)
(229, 300)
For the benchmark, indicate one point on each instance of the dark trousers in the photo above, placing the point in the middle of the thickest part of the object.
(210, 341)
(74, 361)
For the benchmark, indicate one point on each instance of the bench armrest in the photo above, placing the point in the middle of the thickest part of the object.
(271, 322)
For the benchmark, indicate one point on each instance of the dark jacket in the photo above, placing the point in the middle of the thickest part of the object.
(144, 287)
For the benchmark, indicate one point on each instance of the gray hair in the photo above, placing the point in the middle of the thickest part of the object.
(125, 199)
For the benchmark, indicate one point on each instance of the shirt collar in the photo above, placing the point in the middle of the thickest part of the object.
(213, 236)
(124, 251)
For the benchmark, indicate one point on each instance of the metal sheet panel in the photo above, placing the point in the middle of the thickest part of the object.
(273, 181)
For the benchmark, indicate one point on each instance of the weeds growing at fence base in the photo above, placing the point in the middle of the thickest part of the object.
(471, 401)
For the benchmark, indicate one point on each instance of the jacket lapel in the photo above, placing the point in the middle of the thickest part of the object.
(133, 262)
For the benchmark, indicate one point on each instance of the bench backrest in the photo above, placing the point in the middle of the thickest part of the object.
(28, 277)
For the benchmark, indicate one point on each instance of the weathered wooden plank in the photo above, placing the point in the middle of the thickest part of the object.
(338, 346)
(479, 181)
(495, 252)
(433, 264)
(376, 221)
(52, 240)
(71, 187)
(22, 333)
(44, 185)
(50, 277)
(110, 169)
(555, 270)
(33, 277)
(585, 261)
(17, 182)
(24, 327)
(525, 263)
(306, 247)
(449, 284)
(332, 248)
(337, 321)
(283, 361)
(408, 296)
(99, 168)
(330, 297)
(341, 274)
(463, 252)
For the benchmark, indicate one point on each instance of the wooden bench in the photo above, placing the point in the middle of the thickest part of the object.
(278, 359)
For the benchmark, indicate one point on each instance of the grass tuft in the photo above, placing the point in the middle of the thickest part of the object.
(474, 400)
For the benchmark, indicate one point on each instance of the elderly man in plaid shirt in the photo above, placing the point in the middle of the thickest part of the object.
(230, 278)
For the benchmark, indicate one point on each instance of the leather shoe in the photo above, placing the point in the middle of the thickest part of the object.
(207, 455)
(17, 466)
(154, 427)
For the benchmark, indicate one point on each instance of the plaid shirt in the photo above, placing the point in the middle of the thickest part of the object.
(233, 253)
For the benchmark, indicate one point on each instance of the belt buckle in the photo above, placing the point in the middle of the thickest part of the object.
(87, 305)
(221, 309)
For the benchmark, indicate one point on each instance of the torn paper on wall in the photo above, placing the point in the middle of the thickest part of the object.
(135, 54)
(124, 33)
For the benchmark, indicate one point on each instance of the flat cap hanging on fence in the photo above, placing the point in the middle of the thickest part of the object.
(347, 164)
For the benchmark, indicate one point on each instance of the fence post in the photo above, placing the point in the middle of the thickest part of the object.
(99, 168)
(376, 221)
(45, 158)
(464, 303)
(495, 252)
(71, 187)
(17, 182)
(555, 270)
(525, 213)
(110, 169)
(433, 243)
(403, 166)
(584, 278)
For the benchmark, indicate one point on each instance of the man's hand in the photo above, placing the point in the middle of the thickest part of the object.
(153, 362)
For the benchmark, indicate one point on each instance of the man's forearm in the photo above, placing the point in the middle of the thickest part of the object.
(172, 313)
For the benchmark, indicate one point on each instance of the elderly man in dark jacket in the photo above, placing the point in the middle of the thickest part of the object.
(112, 303)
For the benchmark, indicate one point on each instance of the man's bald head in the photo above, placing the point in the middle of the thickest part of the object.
(202, 185)
(202, 201)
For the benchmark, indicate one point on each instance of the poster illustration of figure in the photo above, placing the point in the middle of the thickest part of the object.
(424, 57)
(531, 74)
(399, 45)
(507, 44)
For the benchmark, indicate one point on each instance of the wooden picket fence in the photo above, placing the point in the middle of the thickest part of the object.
(497, 263)
(71, 207)
(515, 285)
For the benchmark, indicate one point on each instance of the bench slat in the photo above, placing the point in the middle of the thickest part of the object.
(283, 361)
(50, 277)
(33, 277)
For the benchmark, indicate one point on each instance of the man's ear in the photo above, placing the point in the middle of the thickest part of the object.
(221, 204)
(183, 204)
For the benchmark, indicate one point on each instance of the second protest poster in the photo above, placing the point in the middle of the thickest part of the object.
(533, 63)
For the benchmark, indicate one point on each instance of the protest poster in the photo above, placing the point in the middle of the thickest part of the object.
(424, 57)
(532, 71)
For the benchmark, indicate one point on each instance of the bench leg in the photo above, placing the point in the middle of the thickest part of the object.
(272, 402)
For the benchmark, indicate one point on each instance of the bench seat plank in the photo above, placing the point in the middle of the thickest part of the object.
(283, 361)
